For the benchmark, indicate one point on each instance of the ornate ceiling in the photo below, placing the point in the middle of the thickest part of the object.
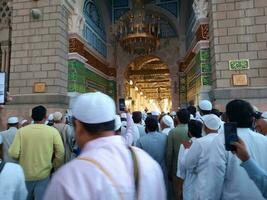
(120, 7)
(151, 76)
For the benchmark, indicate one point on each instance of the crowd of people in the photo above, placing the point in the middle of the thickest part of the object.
(94, 153)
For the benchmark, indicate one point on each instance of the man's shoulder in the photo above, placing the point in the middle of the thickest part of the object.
(13, 167)
(3, 133)
(144, 159)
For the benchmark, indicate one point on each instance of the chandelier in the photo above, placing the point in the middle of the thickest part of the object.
(137, 31)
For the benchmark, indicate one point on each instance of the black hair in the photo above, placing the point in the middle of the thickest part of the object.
(39, 113)
(137, 117)
(205, 112)
(151, 124)
(241, 112)
(13, 124)
(192, 110)
(216, 112)
(195, 128)
(183, 116)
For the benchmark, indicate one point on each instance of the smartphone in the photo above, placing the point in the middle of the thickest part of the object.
(230, 134)
(122, 104)
(3, 92)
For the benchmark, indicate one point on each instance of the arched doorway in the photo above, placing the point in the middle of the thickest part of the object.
(148, 84)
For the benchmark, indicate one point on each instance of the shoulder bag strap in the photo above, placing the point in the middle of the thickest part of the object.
(2, 164)
(136, 171)
(103, 170)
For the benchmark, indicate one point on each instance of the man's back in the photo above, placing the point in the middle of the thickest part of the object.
(232, 181)
(34, 146)
(175, 138)
(8, 137)
(91, 182)
(155, 145)
(12, 183)
(141, 130)
(197, 161)
(67, 135)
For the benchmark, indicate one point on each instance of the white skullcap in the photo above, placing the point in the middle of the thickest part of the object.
(173, 113)
(23, 121)
(264, 115)
(13, 120)
(117, 122)
(94, 108)
(57, 116)
(1, 139)
(205, 105)
(168, 121)
(50, 117)
(155, 113)
(123, 116)
(212, 122)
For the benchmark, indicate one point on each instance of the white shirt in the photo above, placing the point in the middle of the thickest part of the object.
(188, 176)
(12, 183)
(131, 132)
(84, 180)
(197, 161)
(232, 181)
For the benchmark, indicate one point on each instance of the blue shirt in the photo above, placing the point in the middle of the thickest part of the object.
(257, 174)
(154, 143)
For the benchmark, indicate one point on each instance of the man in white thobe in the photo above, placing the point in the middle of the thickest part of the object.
(8, 136)
(166, 124)
(106, 167)
(197, 156)
(226, 179)
(189, 177)
(128, 125)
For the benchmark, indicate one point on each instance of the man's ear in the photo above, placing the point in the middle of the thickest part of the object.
(78, 127)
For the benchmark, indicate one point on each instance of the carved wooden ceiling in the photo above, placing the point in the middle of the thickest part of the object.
(151, 76)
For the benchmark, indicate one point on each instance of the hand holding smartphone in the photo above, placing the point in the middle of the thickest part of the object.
(230, 133)
(122, 104)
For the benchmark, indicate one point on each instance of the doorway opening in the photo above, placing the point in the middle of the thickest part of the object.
(148, 85)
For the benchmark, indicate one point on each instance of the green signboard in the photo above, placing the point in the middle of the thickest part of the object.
(239, 64)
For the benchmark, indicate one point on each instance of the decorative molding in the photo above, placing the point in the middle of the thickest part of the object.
(78, 57)
(76, 22)
(200, 22)
(202, 44)
(88, 47)
(68, 4)
(76, 46)
(200, 8)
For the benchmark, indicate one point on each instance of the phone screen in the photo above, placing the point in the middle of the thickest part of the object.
(122, 104)
(2, 88)
(230, 133)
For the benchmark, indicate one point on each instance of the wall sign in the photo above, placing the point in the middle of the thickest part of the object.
(239, 64)
(39, 87)
(240, 80)
(2, 87)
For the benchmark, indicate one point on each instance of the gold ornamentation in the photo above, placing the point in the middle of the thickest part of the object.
(137, 31)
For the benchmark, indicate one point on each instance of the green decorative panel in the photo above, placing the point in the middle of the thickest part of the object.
(206, 80)
(205, 68)
(182, 90)
(239, 64)
(203, 56)
(81, 79)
